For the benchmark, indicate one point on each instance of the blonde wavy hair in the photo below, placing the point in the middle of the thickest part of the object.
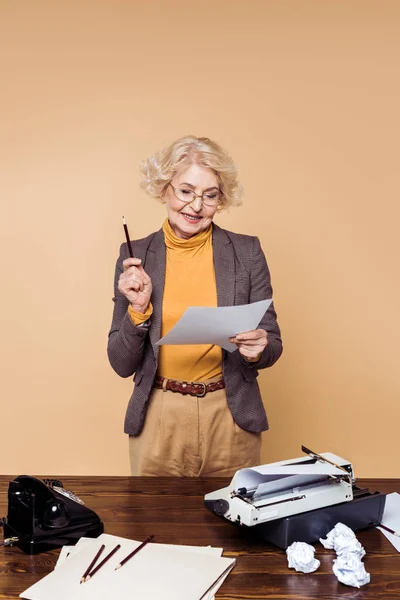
(160, 169)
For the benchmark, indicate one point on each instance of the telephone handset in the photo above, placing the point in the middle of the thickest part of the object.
(44, 515)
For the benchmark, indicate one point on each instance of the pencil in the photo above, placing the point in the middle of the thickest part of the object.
(109, 555)
(128, 239)
(86, 573)
(389, 530)
(134, 552)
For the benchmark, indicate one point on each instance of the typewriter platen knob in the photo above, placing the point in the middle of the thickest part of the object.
(221, 507)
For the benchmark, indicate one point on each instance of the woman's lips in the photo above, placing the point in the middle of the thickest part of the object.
(191, 218)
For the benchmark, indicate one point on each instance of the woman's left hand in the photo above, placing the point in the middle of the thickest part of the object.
(251, 344)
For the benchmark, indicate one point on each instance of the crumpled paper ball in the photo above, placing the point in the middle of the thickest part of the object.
(342, 539)
(350, 570)
(301, 557)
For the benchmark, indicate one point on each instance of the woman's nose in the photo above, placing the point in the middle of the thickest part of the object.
(197, 203)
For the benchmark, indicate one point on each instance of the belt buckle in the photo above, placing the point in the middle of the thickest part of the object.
(204, 392)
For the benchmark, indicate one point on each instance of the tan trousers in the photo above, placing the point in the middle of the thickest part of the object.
(187, 436)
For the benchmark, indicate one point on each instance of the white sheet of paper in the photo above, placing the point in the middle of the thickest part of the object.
(158, 571)
(391, 518)
(67, 551)
(393, 539)
(207, 325)
(214, 552)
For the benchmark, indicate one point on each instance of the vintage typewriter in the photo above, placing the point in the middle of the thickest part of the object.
(297, 500)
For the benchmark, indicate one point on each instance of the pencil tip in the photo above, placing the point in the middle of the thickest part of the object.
(117, 567)
(123, 219)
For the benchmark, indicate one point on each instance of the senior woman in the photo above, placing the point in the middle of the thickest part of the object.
(196, 410)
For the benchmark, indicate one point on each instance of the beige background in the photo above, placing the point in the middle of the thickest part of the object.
(305, 95)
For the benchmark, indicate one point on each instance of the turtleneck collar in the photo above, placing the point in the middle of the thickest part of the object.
(173, 241)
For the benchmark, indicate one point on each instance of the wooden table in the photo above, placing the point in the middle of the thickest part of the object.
(172, 509)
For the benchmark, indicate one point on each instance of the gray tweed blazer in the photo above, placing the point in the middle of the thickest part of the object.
(242, 277)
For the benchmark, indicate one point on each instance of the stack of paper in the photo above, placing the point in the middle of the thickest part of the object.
(156, 571)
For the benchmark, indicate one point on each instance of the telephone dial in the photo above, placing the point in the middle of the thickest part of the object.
(43, 515)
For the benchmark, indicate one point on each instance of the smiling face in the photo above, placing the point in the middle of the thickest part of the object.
(187, 220)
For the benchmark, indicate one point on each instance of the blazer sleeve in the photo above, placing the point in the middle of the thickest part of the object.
(126, 341)
(261, 289)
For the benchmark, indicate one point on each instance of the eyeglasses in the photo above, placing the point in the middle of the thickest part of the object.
(187, 195)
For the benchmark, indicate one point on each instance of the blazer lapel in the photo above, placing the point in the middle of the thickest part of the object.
(224, 265)
(155, 268)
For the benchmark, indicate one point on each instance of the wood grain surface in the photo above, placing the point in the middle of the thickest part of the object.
(173, 510)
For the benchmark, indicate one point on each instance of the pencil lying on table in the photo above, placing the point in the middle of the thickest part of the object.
(389, 530)
(86, 573)
(105, 559)
(128, 239)
(134, 552)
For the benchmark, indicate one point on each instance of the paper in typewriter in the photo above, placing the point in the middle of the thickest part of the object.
(269, 479)
(158, 571)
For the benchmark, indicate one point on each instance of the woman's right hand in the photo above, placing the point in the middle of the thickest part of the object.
(135, 284)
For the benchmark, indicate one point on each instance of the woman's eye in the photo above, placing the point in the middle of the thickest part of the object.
(185, 192)
(211, 195)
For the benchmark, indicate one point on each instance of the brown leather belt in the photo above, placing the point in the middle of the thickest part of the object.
(194, 388)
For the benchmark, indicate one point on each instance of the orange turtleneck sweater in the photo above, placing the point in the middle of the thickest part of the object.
(189, 281)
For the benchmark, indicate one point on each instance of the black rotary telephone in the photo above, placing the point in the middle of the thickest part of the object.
(43, 515)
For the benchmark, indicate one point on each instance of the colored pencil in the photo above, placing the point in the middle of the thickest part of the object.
(117, 547)
(134, 552)
(86, 573)
(389, 530)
